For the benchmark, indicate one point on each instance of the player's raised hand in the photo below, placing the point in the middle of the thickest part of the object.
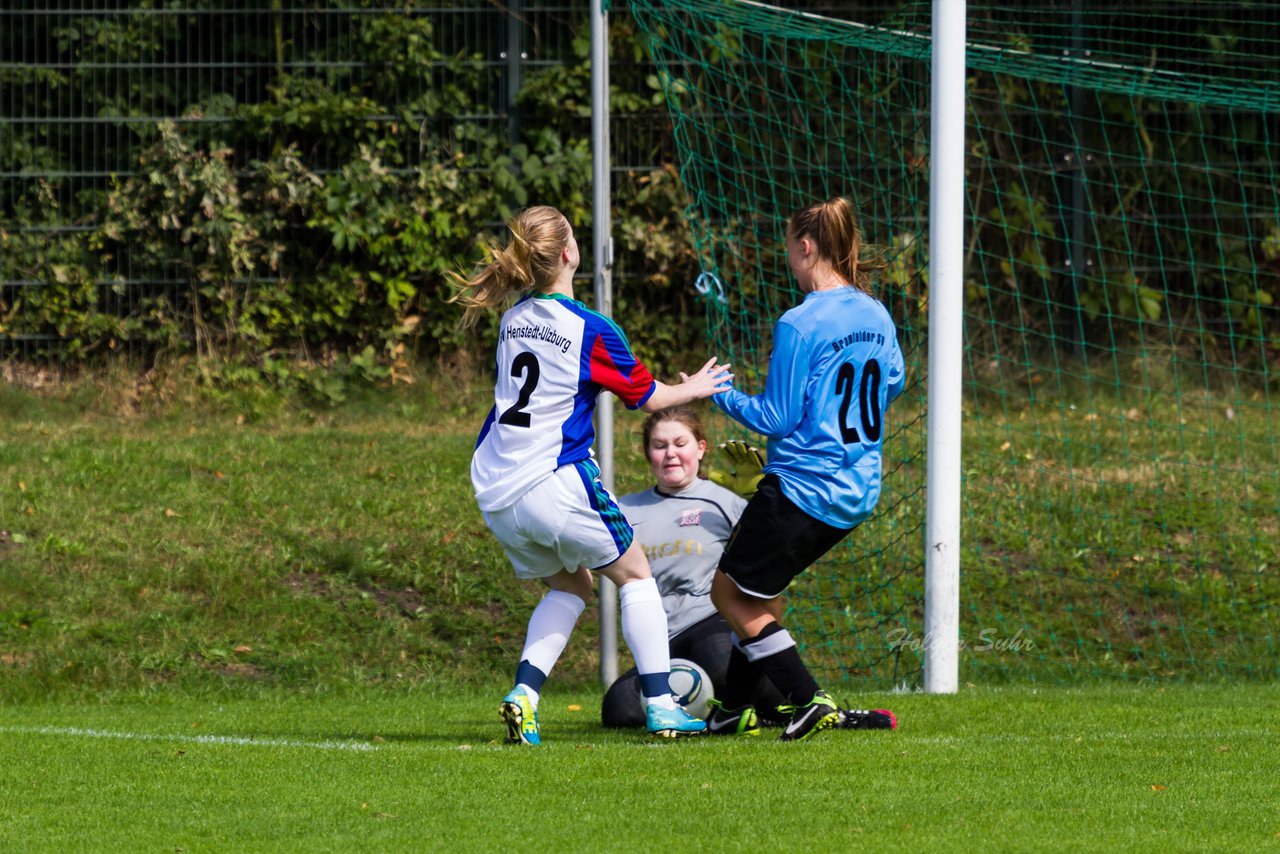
(711, 378)
(738, 467)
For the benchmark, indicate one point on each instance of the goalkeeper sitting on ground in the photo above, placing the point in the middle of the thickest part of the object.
(683, 523)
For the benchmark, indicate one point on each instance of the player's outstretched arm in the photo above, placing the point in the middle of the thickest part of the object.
(711, 378)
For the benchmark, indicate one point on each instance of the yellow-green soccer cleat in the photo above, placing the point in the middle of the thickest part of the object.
(821, 713)
(521, 718)
(722, 721)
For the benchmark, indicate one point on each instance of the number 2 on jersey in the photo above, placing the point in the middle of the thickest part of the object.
(524, 364)
(868, 401)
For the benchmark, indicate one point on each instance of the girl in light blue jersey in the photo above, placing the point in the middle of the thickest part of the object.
(834, 370)
(533, 470)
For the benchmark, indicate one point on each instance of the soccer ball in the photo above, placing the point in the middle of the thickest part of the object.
(691, 686)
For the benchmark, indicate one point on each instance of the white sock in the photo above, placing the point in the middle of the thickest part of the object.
(532, 694)
(644, 627)
(549, 628)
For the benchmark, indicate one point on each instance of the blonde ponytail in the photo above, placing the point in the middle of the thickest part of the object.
(528, 262)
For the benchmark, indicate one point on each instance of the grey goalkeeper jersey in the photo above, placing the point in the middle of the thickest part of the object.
(683, 536)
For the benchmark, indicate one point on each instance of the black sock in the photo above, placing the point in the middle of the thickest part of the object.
(740, 681)
(785, 669)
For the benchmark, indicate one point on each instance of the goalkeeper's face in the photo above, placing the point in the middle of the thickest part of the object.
(675, 454)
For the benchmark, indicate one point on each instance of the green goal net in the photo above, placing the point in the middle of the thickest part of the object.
(1121, 463)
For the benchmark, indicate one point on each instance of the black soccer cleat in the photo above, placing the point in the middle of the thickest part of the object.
(867, 719)
(821, 713)
(722, 721)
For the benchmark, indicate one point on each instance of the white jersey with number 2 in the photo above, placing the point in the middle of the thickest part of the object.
(555, 356)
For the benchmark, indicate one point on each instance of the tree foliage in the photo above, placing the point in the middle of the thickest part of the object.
(301, 205)
(286, 187)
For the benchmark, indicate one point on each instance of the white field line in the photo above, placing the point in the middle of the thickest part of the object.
(904, 739)
(187, 739)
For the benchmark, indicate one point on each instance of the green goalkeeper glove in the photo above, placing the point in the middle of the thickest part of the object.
(738, 467)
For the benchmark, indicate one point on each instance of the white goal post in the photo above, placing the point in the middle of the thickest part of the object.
(602, 240)
(946, 349)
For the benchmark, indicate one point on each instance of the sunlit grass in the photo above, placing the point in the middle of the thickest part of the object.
(1116, 769)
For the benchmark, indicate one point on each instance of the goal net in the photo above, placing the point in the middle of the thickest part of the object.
(1121, 463)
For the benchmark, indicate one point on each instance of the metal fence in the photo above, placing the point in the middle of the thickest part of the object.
(84, 84)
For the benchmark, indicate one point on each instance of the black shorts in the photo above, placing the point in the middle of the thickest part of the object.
(774, 541)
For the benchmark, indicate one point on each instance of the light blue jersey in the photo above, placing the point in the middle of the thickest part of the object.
(835, 368)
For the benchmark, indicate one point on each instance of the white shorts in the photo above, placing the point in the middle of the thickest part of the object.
(566, 521)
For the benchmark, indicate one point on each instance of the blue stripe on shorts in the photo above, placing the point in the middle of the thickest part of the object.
(602, 502)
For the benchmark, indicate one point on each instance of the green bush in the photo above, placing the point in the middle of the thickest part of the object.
(330, 249)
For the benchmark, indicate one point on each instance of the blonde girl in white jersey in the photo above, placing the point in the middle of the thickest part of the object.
(534, 472)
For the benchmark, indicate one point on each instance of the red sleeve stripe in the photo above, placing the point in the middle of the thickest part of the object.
(621, 373)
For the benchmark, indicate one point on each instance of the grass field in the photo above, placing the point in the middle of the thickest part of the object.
(159, 536)
(229, 621)
(248, 543)
(1104, 769)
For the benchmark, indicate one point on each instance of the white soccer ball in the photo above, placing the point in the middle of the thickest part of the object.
(691, 686)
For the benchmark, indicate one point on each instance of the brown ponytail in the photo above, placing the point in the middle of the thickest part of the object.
(833, 228)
